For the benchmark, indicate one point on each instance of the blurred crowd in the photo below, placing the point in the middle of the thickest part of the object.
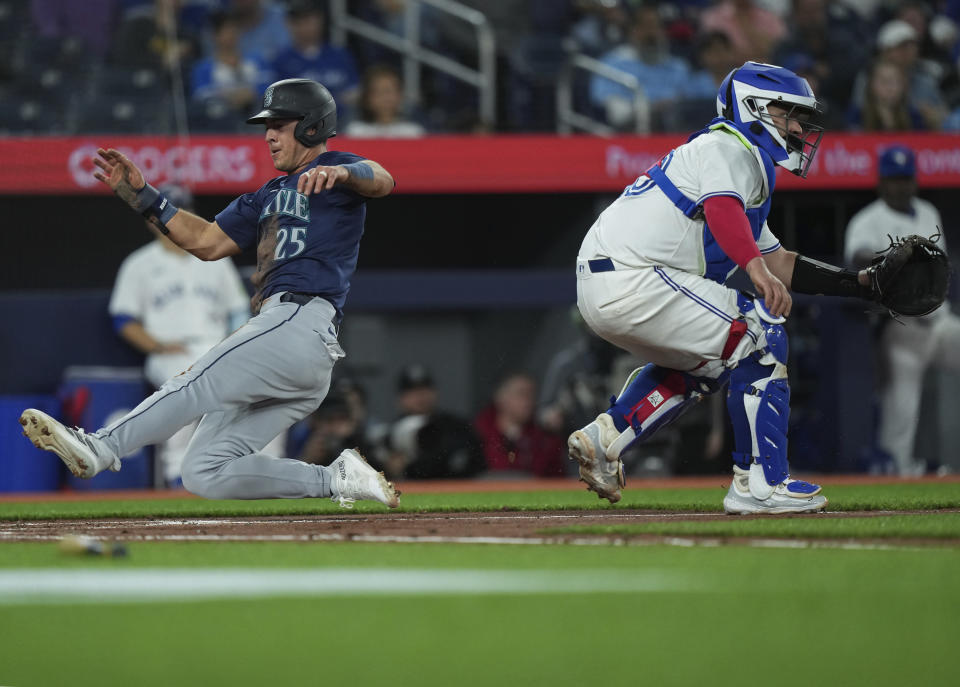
(116, 65)
(504, 440)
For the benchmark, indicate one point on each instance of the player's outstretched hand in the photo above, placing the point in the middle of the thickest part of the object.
(320, 179)
(117, 171)
(775, 295)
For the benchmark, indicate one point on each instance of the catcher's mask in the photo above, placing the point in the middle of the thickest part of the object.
(744, 97)
(303, 99)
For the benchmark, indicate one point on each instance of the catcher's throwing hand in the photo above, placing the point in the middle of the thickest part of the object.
(911, 277)
(321, 179)
(777, 299)
(120, 174)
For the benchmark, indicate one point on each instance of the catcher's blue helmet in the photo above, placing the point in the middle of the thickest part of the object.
(743, 99)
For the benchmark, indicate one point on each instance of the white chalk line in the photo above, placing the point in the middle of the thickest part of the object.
(40, 585)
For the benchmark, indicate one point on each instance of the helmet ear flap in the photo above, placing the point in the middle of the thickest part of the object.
(307, 123)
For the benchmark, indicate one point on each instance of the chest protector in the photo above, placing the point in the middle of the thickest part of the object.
(718, 266)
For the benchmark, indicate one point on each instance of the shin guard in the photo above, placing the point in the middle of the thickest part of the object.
(759, 405)
(652, 397)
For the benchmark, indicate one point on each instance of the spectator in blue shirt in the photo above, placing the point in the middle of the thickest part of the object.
(646, 55)
(263, 27)
(310, 58)
(227, 75)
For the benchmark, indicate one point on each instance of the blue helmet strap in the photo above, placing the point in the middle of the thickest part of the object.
(688, 207)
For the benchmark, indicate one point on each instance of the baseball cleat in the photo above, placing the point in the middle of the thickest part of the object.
(77, 449)
(790, 496)
(356, 480)
(602, 474)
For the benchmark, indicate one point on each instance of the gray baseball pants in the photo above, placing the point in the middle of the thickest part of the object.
(270, 373)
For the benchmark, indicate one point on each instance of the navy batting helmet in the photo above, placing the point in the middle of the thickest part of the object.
(897, 161)
(301, 99)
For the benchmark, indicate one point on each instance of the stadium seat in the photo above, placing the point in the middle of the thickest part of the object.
(127, 114)
(214, 116)
(50, 83)
(113, 81)
(535, 62)
(20, 116)
(69, 55)
(688, 115)
(13, 16)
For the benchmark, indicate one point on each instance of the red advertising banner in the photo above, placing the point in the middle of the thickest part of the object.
(443, 164)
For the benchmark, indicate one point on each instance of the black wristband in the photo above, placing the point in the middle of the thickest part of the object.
(155, 204)
(819, 278)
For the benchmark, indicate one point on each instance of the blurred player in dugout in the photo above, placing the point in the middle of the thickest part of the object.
(172, 307)
(912, 344)
(425, 441)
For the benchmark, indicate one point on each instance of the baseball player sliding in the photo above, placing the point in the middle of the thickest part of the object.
(276, 368)
(650, 276)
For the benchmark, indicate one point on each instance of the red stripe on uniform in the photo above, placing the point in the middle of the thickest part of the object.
(737, 329)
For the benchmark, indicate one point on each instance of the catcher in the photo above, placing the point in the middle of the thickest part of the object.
(651, 275)
(910, 278)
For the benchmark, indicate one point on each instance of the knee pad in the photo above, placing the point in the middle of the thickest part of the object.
(775, 336)
(759, 405)
(651, 398)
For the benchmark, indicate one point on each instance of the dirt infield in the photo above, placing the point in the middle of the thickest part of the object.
(530, 527)
(512, 527)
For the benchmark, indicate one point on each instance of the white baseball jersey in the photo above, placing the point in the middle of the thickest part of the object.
(870, 229)
(663, 299)
(177, 298)
(643, 227)
(914, 344)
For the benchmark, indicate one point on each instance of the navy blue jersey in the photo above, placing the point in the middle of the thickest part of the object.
(317, 236)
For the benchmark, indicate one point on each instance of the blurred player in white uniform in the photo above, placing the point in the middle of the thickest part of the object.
(173, 308)
(910, 346)
(650, 279)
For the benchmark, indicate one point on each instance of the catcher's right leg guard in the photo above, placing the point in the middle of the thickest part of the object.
(759, 405)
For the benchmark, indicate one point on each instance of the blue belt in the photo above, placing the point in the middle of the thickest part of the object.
(601, 265)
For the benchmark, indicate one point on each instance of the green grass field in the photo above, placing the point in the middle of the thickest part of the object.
(909, 496)
(439, 614)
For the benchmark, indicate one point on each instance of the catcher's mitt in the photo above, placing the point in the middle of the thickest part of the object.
(911, 276)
